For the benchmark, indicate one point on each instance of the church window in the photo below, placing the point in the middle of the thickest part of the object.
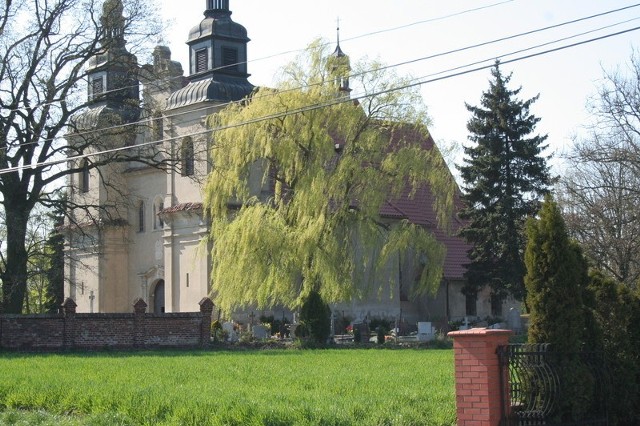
(496, 306)
(188, 157)
(141, 216)
(230, 58)
(97, 86)
(158, 206)
(158, 127)
(471, 308)
(202, 62)
(84, 176)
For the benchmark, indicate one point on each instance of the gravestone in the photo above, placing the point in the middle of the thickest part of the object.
(260, 332)
(425, 331)
(228, 329)
(514, 321)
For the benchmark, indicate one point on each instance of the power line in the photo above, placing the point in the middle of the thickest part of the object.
(608, 12)
(159, 81)
(150, 120)
(420, 82)
(426, 21)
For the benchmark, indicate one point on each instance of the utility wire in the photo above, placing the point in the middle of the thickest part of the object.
(422, 81)
(150, 120)
(160, 81)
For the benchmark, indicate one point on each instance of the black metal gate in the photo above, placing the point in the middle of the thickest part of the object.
(542, 387)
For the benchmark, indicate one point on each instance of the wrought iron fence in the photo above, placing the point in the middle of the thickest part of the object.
(543, 387)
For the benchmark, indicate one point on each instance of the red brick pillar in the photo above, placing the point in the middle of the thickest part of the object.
(206, 308)
(478, 394)
(139, 326)
(69, 310)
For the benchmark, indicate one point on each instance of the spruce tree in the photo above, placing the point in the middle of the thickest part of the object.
(504, 176)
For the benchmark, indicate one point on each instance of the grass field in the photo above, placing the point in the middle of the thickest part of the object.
(268, 387)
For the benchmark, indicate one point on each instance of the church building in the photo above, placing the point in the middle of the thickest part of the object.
(138, 228)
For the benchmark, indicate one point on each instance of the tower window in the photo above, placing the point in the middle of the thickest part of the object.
(158, 206)
(230, 58)
(84, 177)
(188, 157)
(97, 86)
(202, 60)
(158, 127)
(141, 217)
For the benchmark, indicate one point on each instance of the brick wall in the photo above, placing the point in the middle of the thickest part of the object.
(139, 330)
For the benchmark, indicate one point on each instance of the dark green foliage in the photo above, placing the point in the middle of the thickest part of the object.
(341, 324)
(616, 314)
(504, 177)
(275, 325)
(556, 279)
(385, 324)
(315, 317)
(381, 327)
(55, 272)
(357, 335)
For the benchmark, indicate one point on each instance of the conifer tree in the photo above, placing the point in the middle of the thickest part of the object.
(504, 176)
(557, 276)
(556, 280)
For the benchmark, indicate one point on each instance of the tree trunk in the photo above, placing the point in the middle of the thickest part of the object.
(14, 279)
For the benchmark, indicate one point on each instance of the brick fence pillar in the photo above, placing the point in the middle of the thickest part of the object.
(69, 312)
(206, 308)
(478, 393)
(139, 315)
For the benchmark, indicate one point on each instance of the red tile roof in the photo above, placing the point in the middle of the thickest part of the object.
(419, 210)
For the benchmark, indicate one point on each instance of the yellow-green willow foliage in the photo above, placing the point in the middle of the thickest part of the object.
(320, 226)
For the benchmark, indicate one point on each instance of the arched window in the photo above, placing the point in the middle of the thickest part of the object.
(141, 216)
(84, 176)
(158, 126)
(158, 206)
(187, 154)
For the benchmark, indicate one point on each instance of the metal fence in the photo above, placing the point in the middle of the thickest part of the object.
(543, 387)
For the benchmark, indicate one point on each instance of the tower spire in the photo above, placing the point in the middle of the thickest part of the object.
(339, 66)
(113, 23)
(217, 7)
(338, 52)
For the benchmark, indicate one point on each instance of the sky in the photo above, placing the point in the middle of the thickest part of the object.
(405, 30)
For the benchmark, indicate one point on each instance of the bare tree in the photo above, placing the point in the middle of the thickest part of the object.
(46, 48)
(601, 196)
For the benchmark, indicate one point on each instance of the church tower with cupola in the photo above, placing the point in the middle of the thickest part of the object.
(97, 240)
(113, 74)
(339, 66)
(217, 60)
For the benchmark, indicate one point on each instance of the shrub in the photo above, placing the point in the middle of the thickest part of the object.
(315, 316)
(556, 279)
(616, 315)
(275, 325)
(216, 331)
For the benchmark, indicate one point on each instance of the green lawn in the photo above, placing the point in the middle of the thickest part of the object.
(269, 387)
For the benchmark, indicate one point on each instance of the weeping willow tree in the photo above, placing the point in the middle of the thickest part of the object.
(327, 163)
